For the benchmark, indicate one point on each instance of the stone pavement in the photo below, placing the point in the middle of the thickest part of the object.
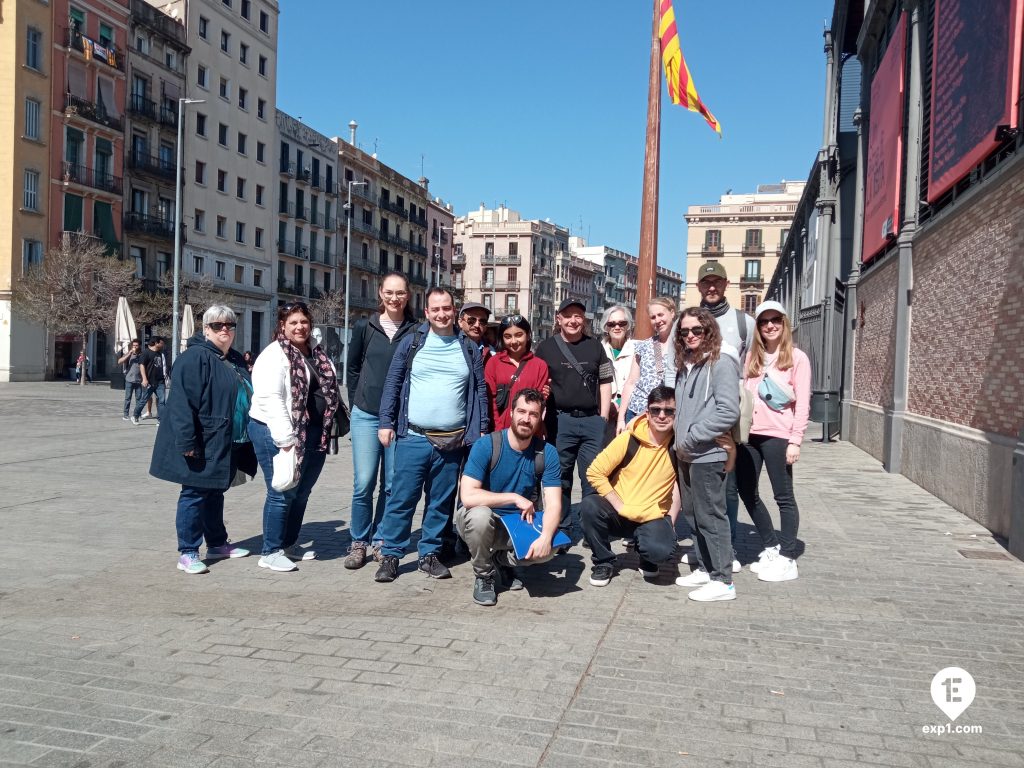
(111, 657)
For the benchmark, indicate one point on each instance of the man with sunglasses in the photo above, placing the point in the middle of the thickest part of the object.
(473, 319)
(636, 494)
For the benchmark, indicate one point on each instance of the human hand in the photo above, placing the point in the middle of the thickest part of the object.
(792, 454)
(546, 389)
(726, 442)
(385, 436)
(539, 550)
(526, 508)
(189, 454)
(620, 426)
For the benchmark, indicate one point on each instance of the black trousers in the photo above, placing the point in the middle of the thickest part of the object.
(655, 539)
(770, 453)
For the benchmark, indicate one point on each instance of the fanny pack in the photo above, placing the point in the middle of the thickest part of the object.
(776, 396)
(444, 441)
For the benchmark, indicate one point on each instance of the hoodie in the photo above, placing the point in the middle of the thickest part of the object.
(707, 406)
(645, 484)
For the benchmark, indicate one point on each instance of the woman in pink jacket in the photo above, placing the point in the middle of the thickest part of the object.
(778, 375)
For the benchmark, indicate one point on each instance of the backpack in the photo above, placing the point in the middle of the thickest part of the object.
(741, 324)
(243, 402)
(538, 461)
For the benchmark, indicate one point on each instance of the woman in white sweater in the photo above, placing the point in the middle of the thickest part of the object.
(295, 397)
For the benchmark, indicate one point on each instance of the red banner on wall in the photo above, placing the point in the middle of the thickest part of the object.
(885, 148)
(975, 68)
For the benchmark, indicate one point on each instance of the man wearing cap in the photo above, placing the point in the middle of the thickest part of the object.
(473, 319)
(577, 408)
(737, 329)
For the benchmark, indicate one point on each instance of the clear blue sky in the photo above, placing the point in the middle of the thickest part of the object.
(542, 105)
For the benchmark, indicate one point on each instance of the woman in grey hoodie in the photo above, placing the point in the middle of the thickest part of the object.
(707, 406)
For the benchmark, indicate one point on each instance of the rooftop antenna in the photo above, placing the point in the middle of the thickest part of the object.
(422, 172)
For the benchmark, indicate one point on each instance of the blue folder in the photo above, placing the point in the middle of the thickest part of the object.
(523, 534)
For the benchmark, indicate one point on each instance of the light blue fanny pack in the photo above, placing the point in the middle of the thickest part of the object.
(776, 396)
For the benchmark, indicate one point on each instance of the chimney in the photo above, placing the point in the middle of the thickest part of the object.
(352, 125)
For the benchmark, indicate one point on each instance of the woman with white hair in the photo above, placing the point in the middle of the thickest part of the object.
(203, 440)
(617, 340)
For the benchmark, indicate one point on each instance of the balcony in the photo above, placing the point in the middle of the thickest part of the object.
(511, 260)
(286, 168)
(419, 250)
(169, 115)
(152, 226)
(296, 212)
(419, 280)
(303, 175)
(315, 293)
(753, 249)
(711, 250)
(458, 258)
(155, 166)
(316, 219)
(363, 302)
(92, 50)
(389, 205)
(365, 265)
(159, 22)
(319, 255)
(293, 289)
(330, 187)
(361, 226)
(152, 286)
(89, 177)
(140, 106)
(751, 281)
(419, 221)
(505, 285)
(88, 110)
(364, 191)
(293, 249)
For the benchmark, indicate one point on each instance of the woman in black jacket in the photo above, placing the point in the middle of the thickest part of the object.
(370, 351)
(202, 441)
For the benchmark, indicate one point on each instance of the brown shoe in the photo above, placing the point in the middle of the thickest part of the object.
(356, 557)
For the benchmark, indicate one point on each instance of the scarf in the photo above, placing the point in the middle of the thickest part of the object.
(717, 310)
(298, 377)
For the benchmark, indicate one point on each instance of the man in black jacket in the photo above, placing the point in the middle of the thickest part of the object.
(152, 366)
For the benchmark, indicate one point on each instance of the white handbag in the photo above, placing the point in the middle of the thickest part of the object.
(286, 475)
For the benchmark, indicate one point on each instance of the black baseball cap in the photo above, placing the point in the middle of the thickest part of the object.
(571, 303)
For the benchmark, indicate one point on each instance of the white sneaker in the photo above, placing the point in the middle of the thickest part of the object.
(685, 559)
(712, 592)
(648, 574)
(737, 566)
(780, 569)
(295, 552)
(695, 579)
(766, 556)
(277, 561)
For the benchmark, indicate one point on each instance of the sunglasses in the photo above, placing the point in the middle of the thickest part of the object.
(617, 324)
(776, 320)
(660, 412)
(698, 331)
(470, 320)
(513, 320)
(221, 326)
(295, 305)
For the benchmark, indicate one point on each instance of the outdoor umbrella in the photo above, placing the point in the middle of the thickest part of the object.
(188, 326)
(124, 326)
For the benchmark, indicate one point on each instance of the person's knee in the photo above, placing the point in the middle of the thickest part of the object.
(658, 549)
(473, 523)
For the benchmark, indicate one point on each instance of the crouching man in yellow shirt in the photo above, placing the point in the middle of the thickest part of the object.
(637, 495)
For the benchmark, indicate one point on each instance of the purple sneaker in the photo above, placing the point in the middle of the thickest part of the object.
(189, 562)
(227, 549)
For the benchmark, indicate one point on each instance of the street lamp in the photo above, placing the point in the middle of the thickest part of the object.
(348, 274)
(175, 342)
(437, 256)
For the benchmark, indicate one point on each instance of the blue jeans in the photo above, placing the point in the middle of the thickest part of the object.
(283, 510)
(423, 467)
(370, 461)
(131, 388)
(200, 515)
(148, 392)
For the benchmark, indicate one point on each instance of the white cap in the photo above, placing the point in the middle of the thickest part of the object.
(764, 306)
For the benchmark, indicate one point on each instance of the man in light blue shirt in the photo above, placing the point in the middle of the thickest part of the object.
(434, 403)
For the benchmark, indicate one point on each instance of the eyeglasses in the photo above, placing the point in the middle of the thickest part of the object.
(661, 412)
(617, 324)
(471, 320)
(512, 320)
(394, 294)
(776, 320)
(698, 331)
(222, 326)
(295, 306)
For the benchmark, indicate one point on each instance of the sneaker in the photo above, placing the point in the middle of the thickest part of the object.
(781, 568)
(695, 579)
(388, 570)
(648, 569)
(297, 553)
(600, 575)
(483, 590)
(135, 421)
(227, 549)
(433, 567)
(737, 566)
(685, 559)
(506, 573)
(712, 592)
(126, 418)
(189, 562)
(277, 561)
(767, 556)
(356, 557)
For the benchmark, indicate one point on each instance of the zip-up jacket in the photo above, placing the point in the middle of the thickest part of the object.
(369, 355)
(707, 406)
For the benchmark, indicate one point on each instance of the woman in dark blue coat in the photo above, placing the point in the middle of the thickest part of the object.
(202, 440)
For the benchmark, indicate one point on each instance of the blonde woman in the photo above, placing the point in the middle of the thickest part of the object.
(653, 361)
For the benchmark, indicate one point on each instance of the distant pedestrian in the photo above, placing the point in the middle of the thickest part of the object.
(249, 359)
(653, 363)
(295, 398)
(473, 319)
(619, 346)
(130, 363)
(203, 440)
(152, 366)
(82, 364)
(778, 375)
(512, 369)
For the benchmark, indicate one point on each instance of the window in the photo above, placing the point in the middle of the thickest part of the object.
(752, 269)
(197, 264)
(225, 89)
(171, 60)
(199, 220)
(142, 44)
(257, 278)
(239, 273)
(239, 232)
(259, 194)
(203, 77)
(513, 275)
(31, 254)
(163, 263)
(246, 9)
(753, 238)
(226, 2)
(240, 189)
(264, 22)
(30, 200)
(713, 239)
(488, 249)
(138, 255)
(222, 181)
(243, 98)
(106, 35)
(263, 66)
(32, 119)
(242, 143)
(222, 226)
(243, 53)
(261, 150)
(261, 109)
(222, 135)
(204, 24)
(512, 301)
(258, 242)
(221, 270)
(34, 49)
(200, 172)
(225, 41)
(750, 302)
(200, 124)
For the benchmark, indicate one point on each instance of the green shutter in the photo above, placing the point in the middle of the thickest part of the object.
(72, 213)
(103, 223)
(104, 147)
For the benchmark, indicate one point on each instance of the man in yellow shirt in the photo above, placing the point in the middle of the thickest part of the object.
(636, 492)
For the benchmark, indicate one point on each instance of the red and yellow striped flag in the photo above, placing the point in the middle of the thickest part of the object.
(680, 84)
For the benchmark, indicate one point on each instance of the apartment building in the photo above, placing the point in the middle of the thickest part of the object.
(668, 283)
(745, 232)
(441, 220)
(618, 280)
(580, 279)
(307, 204)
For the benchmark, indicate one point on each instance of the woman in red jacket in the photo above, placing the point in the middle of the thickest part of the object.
(513, 368)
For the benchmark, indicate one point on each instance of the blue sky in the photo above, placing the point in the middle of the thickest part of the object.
(542, 105)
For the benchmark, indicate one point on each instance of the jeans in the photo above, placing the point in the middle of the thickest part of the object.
(484, 534)
(200, 515)
(370, 461)
(423, 467)
(283, 510)
(771, 453)
(578, 440)
(703, 496)
(148, 392)
(131, 388)
(655, 539)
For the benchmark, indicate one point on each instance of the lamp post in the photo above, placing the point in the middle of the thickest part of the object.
(175, 342)
(437, 256)
(348, 272)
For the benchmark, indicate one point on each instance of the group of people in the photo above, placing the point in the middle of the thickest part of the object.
(493, 437)
(146, 372)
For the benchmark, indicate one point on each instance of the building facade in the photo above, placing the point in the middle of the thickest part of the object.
(744, 232)
(441, 219)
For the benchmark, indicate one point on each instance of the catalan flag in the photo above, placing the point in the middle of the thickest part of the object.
(680, 84)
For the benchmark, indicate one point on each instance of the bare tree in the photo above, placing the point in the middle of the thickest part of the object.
(156, 309)
(328, 308)
(75, 289)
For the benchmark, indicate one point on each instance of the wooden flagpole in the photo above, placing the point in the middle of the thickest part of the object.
(648, 255)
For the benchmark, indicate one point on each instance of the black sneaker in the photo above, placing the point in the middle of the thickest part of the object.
(506, 573)
(600, 575)
(433, 567)
(483, 591)
(388, 570)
